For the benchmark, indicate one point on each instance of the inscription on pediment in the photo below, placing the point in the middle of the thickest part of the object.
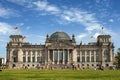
(61, 45)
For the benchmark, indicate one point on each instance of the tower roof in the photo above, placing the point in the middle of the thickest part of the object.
(15, 36)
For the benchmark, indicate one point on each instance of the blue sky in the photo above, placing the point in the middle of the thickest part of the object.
(37, 18)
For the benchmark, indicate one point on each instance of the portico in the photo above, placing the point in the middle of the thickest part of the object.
(59, 56)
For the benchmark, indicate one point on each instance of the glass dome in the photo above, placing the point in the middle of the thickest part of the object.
(59, 36)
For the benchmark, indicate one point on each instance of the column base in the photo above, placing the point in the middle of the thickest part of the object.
(57, 62)
(67, 62)
(53, 63)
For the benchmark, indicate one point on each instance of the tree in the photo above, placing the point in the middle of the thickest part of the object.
(118, 58)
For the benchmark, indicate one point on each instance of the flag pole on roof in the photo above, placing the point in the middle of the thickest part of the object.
(91, 37)
(102, 30)
(80, 44)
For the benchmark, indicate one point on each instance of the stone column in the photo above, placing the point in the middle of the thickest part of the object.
(26, 55)
(48, 55)
(85, 56)
(53, 57)
(90, 56)
(11, 56)
(94, 56)
(58, 57)
(30, 56)
(35, 56)
(102, 56)
(63, 57)
(68, 57)
(111, 55)
(8, 54)
(20, 55)
(80, 56)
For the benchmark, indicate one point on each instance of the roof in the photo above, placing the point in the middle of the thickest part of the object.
(107, 36)
(12, 36)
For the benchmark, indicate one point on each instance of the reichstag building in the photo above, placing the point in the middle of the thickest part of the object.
(60, 50)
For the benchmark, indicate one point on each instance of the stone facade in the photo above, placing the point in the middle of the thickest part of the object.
(59, 50)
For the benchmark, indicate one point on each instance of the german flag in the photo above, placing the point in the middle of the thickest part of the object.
(16, 29)
(24, 37)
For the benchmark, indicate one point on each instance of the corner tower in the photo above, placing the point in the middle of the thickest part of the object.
(14, 51)
(106, 49)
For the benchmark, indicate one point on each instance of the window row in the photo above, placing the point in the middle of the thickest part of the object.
(87, 59)
(83, 52)
(33, 59)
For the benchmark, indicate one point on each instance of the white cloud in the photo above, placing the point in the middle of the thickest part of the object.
(111, 20)
(5, 28)
(20, 2)
(34, 38)
(43, 5)
(20, 24)
(79, 37)
(83, 17)
(7, 12)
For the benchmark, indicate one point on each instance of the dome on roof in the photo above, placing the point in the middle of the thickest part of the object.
(59, 36)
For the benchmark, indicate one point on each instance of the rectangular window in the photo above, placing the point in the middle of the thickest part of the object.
(28, 59)
(97, 58)
(83, 58)
(33, 59)
(39, 59)
(78, 59)
(92, 59)
(88, 59)
(24, 59)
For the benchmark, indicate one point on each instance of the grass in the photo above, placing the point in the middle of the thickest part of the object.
(34, 74)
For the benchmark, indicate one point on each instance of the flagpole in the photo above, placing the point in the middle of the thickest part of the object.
(102, 30)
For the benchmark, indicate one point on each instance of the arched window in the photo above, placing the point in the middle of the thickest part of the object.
(15, 57)
(15, 53)
(78, 59)
(106, 56)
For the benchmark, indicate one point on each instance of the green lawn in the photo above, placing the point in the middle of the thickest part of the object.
(34, 74)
